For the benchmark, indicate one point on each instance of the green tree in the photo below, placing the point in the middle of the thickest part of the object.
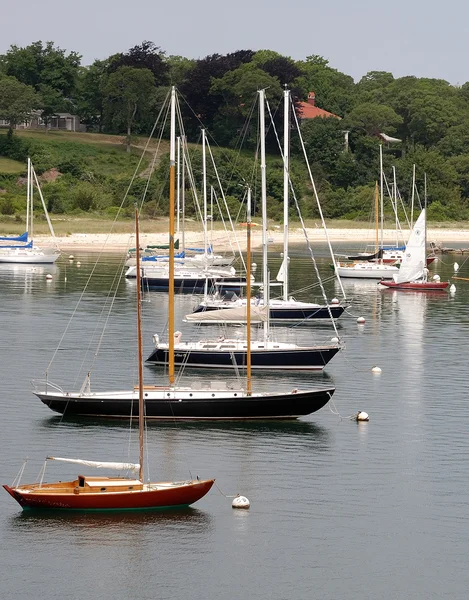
(17, 101)
(43, 64)
(372, 119)
(128, 90)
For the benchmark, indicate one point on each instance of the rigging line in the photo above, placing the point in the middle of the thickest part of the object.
(303, 224)
(227, 210)
(319, 209)
(334, 411)
(87, 283)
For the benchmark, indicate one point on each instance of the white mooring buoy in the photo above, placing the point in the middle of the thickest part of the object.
(335, 301)
(334, 340)
(361, 320)
(71, 257)
(78, 264)
(362, 416)
(376, 369)
(48, 276)
(241, 502)
(452, 289)
(456, 267)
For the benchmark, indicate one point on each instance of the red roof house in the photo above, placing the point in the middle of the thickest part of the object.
(308, 110)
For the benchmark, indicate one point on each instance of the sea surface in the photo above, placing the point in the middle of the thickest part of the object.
(339, 509)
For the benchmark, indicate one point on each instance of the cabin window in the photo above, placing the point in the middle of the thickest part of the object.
(190, 395)
(131, 487)
(81, 481)
(103, 489)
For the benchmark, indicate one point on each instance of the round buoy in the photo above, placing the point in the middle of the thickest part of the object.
(362, 416)
(335, 340)
(71, 257)
(254, 266)
(335, 301)
(456, 267)
(48, 276)
(436, 277)
(452, 289)
(78, 264)
(241, 502)
(376, 369)
(361, 320)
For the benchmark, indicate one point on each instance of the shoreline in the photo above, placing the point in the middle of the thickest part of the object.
(120, 242)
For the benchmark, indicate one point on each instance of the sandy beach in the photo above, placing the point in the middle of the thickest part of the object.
(98, 242)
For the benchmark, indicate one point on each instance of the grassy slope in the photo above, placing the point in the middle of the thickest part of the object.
(107, 157)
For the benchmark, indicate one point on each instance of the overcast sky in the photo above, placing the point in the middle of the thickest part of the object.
(424, 38)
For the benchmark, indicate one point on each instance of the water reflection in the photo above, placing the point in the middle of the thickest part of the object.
(90, 525)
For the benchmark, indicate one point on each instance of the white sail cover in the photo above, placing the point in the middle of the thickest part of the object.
(414, 259)
(232, 315)
(98, 464)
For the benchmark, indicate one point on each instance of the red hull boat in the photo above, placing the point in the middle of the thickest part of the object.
(415, 285)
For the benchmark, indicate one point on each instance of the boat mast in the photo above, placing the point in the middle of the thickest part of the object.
(286, 183)
(377, 216)
(381, 192)
(172, 164)
(265, 272)
(413, 199)
(141, 407)
(248, 296)
(204, 179)
(395, 202)
(28, 196)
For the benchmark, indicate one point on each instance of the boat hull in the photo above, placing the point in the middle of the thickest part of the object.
(302, 359)
(196, 285)
(31, 258)
(423, 286)
(367, 271)
(168, 404)
(290, 314)
(183, 494)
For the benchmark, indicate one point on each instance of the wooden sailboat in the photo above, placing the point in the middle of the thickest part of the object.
(112, 493)
(225, 401)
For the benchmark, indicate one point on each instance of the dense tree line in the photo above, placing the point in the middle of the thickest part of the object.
(123, 94)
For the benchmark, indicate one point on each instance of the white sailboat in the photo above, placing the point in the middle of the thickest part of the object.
(413, 273)
(21, 249)
(285, 309)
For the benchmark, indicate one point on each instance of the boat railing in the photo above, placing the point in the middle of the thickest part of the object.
(42, 385)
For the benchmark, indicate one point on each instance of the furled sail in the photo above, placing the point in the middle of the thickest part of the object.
(19, 238)
(236, 314)
(98, 464)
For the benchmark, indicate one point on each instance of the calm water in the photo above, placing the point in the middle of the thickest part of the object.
(339, 509)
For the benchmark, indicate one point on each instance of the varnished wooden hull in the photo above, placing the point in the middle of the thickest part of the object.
(178, 496)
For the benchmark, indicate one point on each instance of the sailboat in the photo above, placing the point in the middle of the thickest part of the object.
(111, 493)
(373, 266)
(285, 309)
(21, 249)
(212, 401)
(413, 273)
(232, 353)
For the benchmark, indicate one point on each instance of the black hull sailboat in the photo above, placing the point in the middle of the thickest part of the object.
(190, 404)
(262, 358)
(220, 401)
